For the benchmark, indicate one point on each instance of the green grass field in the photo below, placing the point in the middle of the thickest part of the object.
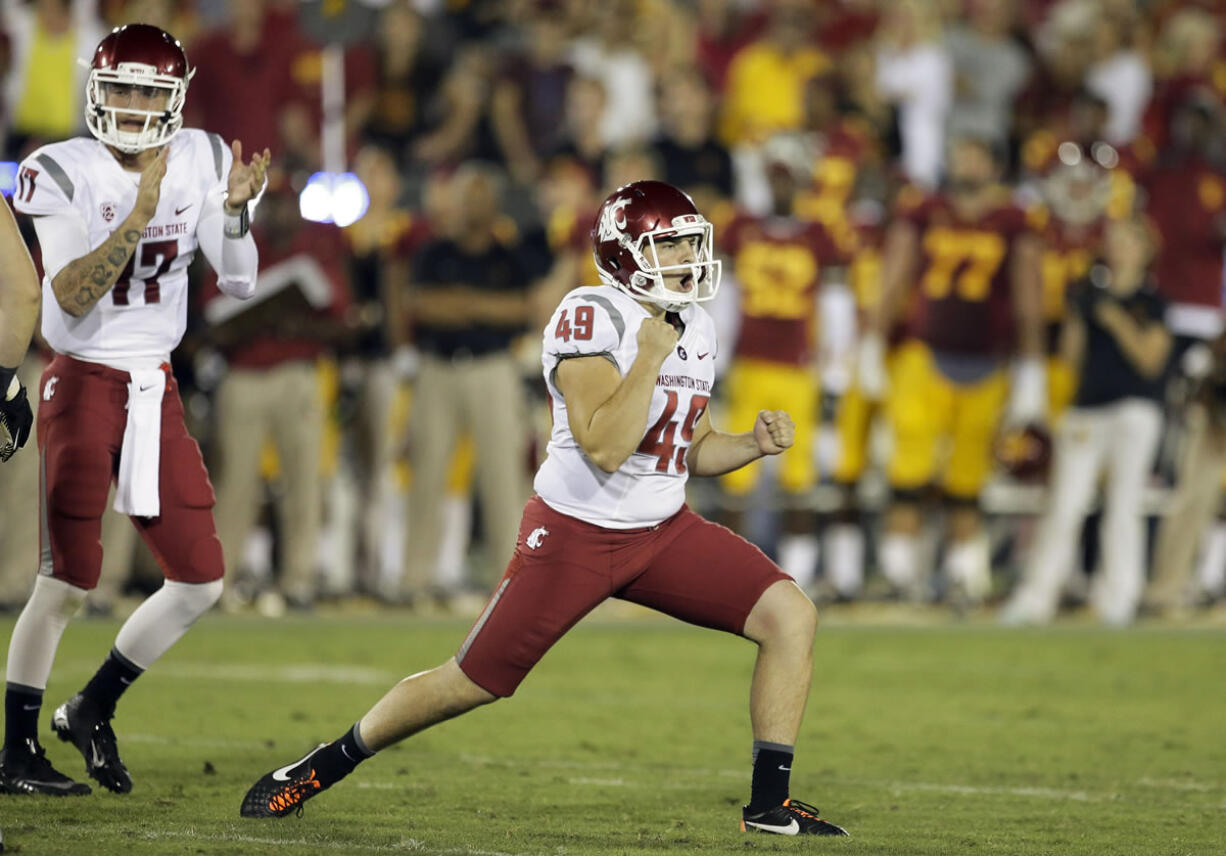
(633, 737)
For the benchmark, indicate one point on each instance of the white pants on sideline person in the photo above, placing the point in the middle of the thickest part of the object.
(1120, 439)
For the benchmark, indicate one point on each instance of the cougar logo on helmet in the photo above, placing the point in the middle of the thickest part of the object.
(613, 220)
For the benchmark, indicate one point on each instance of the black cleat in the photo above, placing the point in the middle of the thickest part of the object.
(792, 818)
(284, 789)
(78, 721)
(29, 772)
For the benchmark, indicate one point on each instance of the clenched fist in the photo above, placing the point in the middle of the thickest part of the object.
(656, 339)
(774, 431)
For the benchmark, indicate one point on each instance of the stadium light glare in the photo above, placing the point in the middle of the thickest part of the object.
(338, 198)
(8, 177)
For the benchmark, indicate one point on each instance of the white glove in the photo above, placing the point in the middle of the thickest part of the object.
(1028, 395)
(870, 367)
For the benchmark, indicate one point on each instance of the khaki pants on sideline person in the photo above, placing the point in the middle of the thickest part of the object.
(283, 403)
(1192, 508)
(484, 397)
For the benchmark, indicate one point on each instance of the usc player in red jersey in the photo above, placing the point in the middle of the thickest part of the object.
(971, 261)
(780, 264)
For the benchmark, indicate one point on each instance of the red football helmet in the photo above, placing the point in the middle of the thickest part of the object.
(132, 59)
(624, 239)
(1025, 452)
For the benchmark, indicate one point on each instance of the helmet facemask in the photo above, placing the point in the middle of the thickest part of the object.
(649, 283)
(159, 125)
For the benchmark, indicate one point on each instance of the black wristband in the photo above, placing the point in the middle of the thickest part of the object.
(236, 225)
(6, 377)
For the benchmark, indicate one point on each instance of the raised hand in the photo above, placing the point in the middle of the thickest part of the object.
(774, 431)
(150, 190)
(245, 180)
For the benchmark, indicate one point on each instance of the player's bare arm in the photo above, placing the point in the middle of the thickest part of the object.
(84, 281)
(713, 453)
(607, 412)
(901, 255)
(1027, 293)
(19, 293)
(1073, 340)
(898, 263)
(19, 299)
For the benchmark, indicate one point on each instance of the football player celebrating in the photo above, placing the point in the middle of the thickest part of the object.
(119, 218)
(629, 366)
(974, 261)
(18, 312)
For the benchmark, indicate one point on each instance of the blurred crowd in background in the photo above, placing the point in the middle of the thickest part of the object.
(373, 430)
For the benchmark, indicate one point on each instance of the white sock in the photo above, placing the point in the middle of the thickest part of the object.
(898, 557)
(1211, 573)
(163, 618)
(968, 564)
(37, 633)
(798, 557)
(845, 558)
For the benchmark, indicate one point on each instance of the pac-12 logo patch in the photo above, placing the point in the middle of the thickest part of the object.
(537, 536)
(108, 211)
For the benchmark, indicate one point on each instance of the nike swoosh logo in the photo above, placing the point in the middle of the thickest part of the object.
(793, 828)
(98, 761)
(281, 774)
(126, 682)
(704, 356)
(31, 706)
(785, 769)
(147, 388)
(345, 752)
(179, 211)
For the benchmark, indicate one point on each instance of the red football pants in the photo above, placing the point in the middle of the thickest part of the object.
(562, 568)
(81, 421)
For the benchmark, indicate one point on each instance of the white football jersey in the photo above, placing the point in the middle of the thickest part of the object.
(649, 487)
(144, 315)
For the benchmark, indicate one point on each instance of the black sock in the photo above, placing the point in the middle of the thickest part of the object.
(113, 677)
(772, 771)
(337, 760)
(21, 707)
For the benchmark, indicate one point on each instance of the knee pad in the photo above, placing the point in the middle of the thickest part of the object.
(194, 599)
(55, 599)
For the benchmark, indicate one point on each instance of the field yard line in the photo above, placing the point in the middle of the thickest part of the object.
(955, 788)
(1184, 785)
(406, 845)
(982, 790)
(1181, 784)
